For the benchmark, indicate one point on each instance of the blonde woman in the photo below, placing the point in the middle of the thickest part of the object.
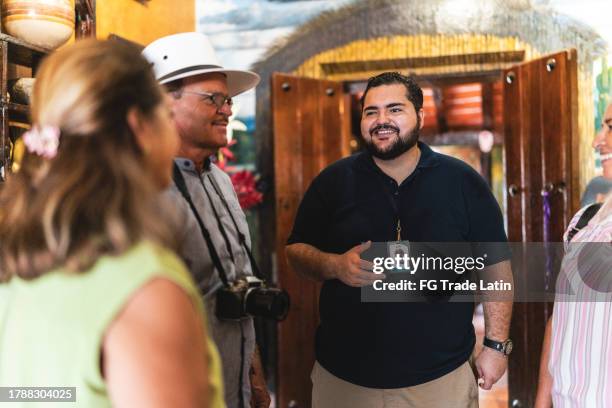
(89, 296)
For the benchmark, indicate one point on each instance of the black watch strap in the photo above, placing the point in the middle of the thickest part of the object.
(504, 347)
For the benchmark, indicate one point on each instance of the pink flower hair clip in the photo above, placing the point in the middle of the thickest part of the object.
(42, 140)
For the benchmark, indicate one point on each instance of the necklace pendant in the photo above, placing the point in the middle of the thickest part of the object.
(399, 231)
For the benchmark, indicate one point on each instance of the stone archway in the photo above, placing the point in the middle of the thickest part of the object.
(400, 29)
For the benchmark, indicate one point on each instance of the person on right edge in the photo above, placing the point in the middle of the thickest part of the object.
(397, 354)
(576, 361)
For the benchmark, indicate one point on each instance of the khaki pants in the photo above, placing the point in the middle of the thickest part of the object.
(457, 389)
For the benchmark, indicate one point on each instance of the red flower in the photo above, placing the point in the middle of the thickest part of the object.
(245, 185)
(225, 154)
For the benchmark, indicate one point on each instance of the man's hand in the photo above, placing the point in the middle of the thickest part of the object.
(354, 271)
(491, 365)
(260, 397)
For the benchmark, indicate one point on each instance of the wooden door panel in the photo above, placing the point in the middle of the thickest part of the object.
(532, 144)
(516, 117)
(309, 134)
(520, 122)
(513, 154)
(333, 146)
(540, 125)
(554, 122)
(533, 314)
(557, 72)
(309, 129)
(288, 145)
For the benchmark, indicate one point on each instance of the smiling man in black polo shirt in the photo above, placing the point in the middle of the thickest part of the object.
(396, 354)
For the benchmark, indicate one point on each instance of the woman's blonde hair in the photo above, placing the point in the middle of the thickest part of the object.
(95, 197)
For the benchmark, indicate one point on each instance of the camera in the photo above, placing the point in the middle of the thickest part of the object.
(250, 296)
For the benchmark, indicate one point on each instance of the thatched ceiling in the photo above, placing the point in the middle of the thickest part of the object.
(540, 26)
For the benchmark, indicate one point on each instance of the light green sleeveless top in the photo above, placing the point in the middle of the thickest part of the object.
(51, 328)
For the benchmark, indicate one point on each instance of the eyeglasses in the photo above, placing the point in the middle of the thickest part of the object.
(216, 98)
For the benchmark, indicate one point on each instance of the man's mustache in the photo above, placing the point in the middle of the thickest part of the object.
(384, 126)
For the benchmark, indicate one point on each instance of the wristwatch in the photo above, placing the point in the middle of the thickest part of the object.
(504, 347)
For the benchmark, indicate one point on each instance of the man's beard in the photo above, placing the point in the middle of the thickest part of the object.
(399, 146)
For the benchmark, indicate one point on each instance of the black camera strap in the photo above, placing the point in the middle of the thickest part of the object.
(256, 272)
(241, 236)
(179, 180)
(584, 220)
(228, 245)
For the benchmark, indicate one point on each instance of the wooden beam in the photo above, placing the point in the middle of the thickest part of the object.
(506, 57)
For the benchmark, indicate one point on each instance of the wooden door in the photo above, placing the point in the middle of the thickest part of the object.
(311, 127)
(541, 152)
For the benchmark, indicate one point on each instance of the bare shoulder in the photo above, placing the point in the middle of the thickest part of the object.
(161, 304)
(154, 352)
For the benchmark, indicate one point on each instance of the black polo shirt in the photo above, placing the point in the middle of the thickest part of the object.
(393, 345)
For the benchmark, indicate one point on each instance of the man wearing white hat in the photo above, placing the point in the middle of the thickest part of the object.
(202, 91)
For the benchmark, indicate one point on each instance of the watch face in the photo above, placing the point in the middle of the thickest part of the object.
(508, 347)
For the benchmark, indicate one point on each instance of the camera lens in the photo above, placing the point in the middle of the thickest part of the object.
(271, 303)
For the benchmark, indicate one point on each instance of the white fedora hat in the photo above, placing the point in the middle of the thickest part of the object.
(187, 54)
